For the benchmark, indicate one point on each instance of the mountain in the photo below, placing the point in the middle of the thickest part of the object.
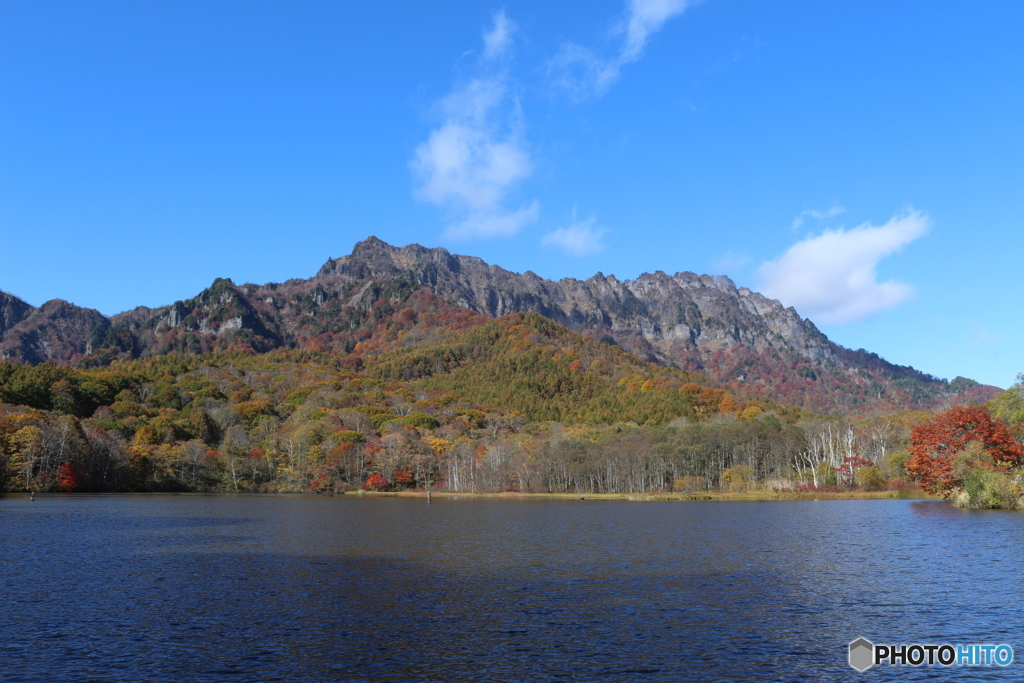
(57, 331)
(381, 298)
(669, 319)
(746, 341)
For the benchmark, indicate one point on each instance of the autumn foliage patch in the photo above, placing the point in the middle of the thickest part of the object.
(935, 445)
(67, 477)
(376, 482)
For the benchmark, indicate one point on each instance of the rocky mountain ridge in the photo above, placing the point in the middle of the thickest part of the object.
(661, 316)
(381, 296)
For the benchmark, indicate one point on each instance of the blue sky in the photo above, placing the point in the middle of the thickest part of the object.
(862, 161)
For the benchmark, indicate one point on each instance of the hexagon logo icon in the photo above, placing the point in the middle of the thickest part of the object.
(862, 654)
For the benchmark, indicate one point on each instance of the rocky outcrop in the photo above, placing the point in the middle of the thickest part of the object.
(670, 316)
(222, 311)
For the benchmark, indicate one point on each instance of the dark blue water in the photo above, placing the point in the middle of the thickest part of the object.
(208, 588)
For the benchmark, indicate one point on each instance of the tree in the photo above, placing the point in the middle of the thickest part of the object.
(935, 444)
(67, 477)
(847, 471)
(738, 477)
(376, 482)
(1009, 406)
(428, 462)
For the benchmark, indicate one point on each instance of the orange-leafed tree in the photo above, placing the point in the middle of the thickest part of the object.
(376, 482)
(67, 477)
(935, 444)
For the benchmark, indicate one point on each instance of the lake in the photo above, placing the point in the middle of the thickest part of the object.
(278, 588)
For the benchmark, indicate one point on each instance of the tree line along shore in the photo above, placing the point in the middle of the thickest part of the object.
(293, 421)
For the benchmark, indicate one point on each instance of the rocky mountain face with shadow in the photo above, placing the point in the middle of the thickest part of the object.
(663, 317)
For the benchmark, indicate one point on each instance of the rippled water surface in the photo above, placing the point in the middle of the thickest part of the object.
(225, 588)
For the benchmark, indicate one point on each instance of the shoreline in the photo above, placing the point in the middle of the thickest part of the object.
(661, 496)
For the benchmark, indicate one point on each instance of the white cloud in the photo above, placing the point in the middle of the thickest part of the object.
(644, 18)
(831, 212)
(831, 278)
(581, 73)
(487, 224)
(498, 41)
(473, 160)
(579, 238)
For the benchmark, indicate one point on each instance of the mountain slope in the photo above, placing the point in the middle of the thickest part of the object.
(532, 365)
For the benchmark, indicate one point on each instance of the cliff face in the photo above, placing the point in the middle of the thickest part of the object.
(382, 297)
(664, 317)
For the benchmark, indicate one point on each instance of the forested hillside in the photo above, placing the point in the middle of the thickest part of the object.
(526, 363)
(519, 403)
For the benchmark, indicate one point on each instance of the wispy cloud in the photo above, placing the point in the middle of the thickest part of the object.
(831, 212)
(832, 279)
(493, 222)
(498, 41)
(645, 17)
(582, 73)
(579, 238)
(470, 164)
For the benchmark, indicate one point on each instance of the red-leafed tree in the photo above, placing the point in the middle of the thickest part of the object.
(847, 471)
(376, 482)
(935, 444)
(67, 477)
(403, 477)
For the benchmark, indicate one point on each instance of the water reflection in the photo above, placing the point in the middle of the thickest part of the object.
(212, 588)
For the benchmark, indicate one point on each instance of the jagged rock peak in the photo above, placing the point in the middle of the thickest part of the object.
(667, 313)
(381, 258)
(373, 246)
